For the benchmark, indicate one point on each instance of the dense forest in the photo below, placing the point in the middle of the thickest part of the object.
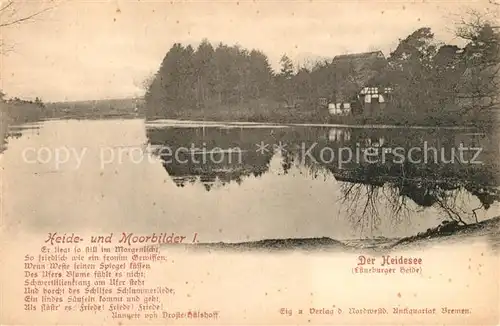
(434, 83)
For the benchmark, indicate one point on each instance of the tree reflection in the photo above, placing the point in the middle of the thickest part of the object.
(363, 196)
(369, 192)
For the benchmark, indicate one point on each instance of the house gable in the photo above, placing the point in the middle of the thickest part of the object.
(359, 69)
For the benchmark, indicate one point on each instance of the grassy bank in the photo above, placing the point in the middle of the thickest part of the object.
(488, 229)
(242, 113)
(273, 112)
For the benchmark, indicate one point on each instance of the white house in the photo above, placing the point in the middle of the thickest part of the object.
(375, 94)
(339, 108)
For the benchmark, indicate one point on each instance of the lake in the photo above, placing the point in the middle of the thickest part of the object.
(236, 182)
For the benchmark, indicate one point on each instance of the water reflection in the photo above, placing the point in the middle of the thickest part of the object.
(282, 190)
(407, 170)
(210, 155)
(16, 131)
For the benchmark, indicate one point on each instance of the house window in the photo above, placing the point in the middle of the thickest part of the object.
(368, 98)
(369, 90)
(334, 108)
(339, 108)
(331, 108)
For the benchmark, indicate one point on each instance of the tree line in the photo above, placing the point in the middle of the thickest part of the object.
(190, 78)
(432, 81)
(16, 110)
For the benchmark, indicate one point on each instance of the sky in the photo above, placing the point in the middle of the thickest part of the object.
(82, 50)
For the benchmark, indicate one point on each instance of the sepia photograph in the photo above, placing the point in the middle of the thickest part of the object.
(249, 162)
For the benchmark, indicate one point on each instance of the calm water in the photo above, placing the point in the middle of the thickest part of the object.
(126, 175)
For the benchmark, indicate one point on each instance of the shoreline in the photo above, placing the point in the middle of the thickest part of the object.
(488, 229)
(161, 122)
(190, 123)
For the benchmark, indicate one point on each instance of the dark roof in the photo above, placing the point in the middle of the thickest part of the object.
(361, 68)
